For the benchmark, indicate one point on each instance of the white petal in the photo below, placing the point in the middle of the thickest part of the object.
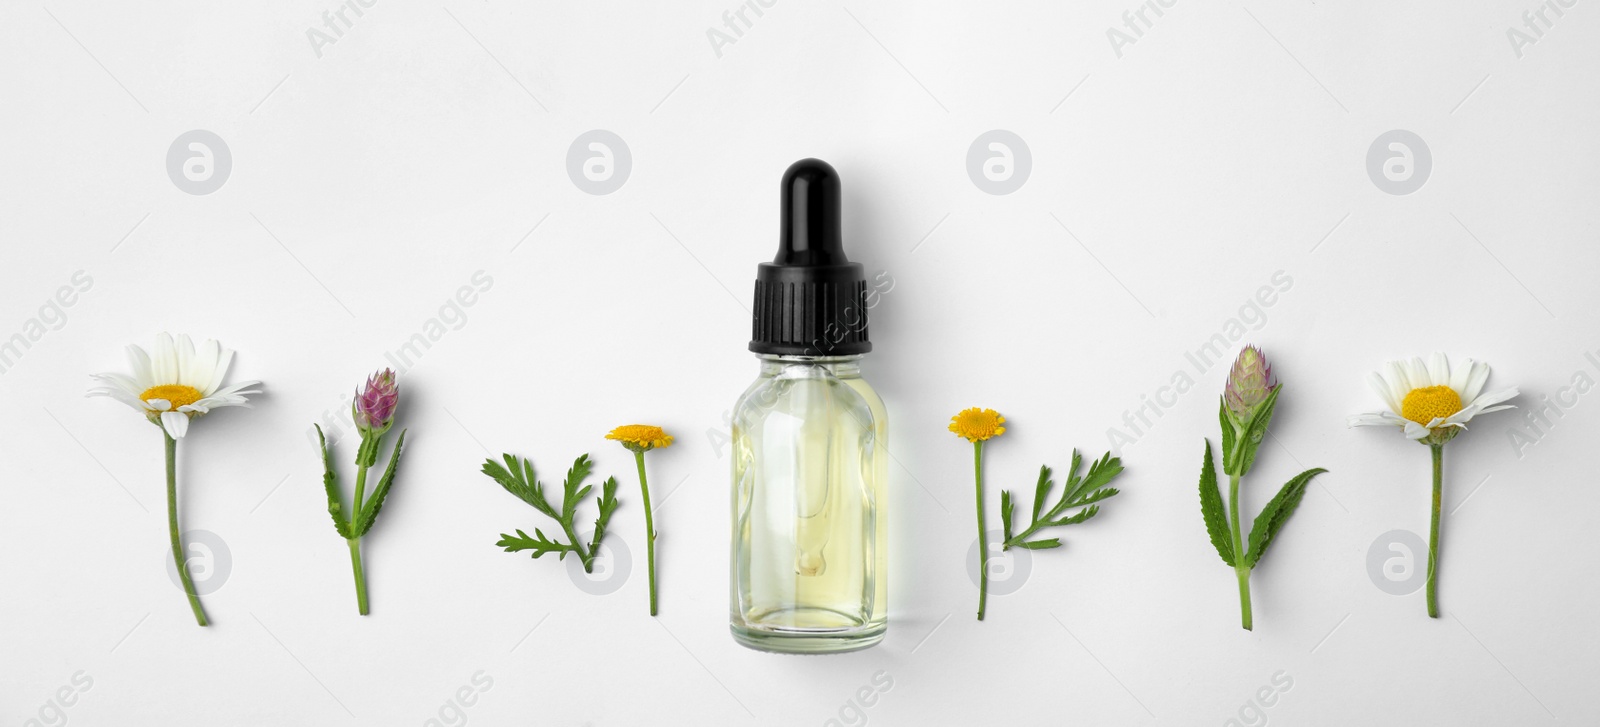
(121, 381)
(185, 351)
(224, 359)
(175, 423)
(122, 396)
(1438, 370)
(1374, 419)
(1415, 430)
(1491, 398)
(159, 404)
(140, 361)
(205, 367)
(164, 363)
(1399, 382)
(1459, 376)
(1418, 371)
(1378, 384)
(1475, 381)
(1502, 407)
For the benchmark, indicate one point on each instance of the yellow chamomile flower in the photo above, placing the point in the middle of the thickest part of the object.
(176, 384)
(641, 438)
(1432, 401)
(977, 425)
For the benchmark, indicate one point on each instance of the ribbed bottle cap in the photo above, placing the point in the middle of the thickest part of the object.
(810, 300)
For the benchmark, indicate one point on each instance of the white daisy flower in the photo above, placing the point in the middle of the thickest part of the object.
(1433, 401)
(176, 384)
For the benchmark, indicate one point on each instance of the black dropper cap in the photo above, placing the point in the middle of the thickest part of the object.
(810, 300)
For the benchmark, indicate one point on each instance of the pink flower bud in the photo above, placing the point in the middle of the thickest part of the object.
(375, 405)
(1249, 382)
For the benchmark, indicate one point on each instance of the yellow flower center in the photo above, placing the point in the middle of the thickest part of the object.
(977, 425)
(1424, 404)
(178, 394)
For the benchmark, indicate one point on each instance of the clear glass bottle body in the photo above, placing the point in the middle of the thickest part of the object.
(809, 529)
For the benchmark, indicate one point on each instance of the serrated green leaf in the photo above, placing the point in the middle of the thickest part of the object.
(1211, 508)
(538, 543)
(1078, 491)
(330, 483)
(1276, 513)
(369, 511)
(1045, 544)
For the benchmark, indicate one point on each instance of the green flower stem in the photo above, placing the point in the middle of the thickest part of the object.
(1239, 569)
(1433, 532)
(649, 528)
(172, 529)
(355, 543)
(983, 535)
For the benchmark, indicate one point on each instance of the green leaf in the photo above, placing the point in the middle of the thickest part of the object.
(367, 454)
(369, 512)
(571, 493)
(537, 543)
(1211, 508)
(1077, 491)
(1276, 513)
(1081, 516)
(1254, 431)
(330, 483)
(1040, 492)
(518, 478)
(607, 504)
(1229, 434)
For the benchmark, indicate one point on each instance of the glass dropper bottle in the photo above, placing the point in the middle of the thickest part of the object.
(809, 549)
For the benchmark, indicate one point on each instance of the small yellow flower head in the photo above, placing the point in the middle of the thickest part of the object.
(977, 425)
(641, 437)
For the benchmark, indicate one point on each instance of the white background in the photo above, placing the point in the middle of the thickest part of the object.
(429, 142)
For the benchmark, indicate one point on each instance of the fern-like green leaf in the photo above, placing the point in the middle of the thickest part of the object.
(1006, 506)
(607, 504)
(1276, 513)
(1211, 508)
(538, 543)
(1045, 544)
(1041, 491)
(1077, 491)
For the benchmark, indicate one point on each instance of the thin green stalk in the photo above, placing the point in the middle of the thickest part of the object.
(649, 528)
(355, 543)
(983, 535)
(178, 556)
(1433, 532)
(1239, 568)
